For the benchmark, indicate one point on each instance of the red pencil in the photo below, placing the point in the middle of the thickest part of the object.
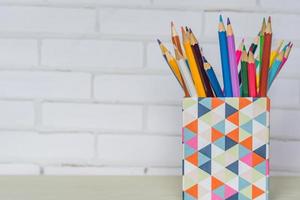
(251, 75)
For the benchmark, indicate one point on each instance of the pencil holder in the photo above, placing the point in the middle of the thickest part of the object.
(225, 148)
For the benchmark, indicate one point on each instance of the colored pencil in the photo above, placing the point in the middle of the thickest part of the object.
(254, 45)
(263, 85)
(286, 56)
(261, 46)
(213, 79)
(224, 58)
(275, 52)
(193, 66)
(239, 51)
(244, 73)
(199, 62)
(251, 75)
(175, 39)
(185, 72)
(232, 61)
(274, 68)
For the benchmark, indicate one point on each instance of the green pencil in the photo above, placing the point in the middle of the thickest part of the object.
(244, 73)
(261, 47)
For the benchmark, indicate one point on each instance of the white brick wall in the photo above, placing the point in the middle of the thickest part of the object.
(85, 91)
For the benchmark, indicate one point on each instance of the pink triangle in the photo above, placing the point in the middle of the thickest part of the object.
(215, 197)
(247, 159)
(229, 191)
(193, 143)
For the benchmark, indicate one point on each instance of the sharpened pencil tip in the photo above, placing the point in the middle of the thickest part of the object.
(228, 21)
(269, 19)
(220, 18)
(158, 40)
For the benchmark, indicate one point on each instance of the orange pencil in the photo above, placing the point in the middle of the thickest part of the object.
(175, 39)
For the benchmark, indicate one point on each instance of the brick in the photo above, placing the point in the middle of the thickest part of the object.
(92, 53)
(137, 88)
(46, 148)
(280, 95)
(154, 171)
(50, 20)
(146, 22)
(163, 119)
(244, 24)
(145, 151)
(44, 84)
(81, 2)
(16, 114)
(77, 116)
(19, 169)
(288, 5)
(25, 50)
(291, 68)
(78, 171)
(283, 26)
(284, 123)
(283, 155)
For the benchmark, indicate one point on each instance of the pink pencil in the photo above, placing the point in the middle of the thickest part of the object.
(232, 61)
(285, 57)
(238, 52)
(251, 75)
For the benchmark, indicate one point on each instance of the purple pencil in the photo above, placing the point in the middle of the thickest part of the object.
(232, 61)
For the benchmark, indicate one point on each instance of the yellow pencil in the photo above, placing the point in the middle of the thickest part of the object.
(275, 52)
(193, 65)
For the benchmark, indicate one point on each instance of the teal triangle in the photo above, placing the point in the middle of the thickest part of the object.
(229, 110)
(220, 126)
(206, 167)
(261, 151)
(243, 183)
(234, 167)
(262, 118)
(186, 196)
(206, 151)
(234, 197)
(243, 197)
(220, 191)
(202, 159)
(261, 167)
(229, 143)
(187, 134)
(206, 102)
(202, 110)
(247, 126)
(243, 151)
(188, 151)
(220, 143)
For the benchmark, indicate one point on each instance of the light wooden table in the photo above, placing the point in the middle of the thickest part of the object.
(116, 188)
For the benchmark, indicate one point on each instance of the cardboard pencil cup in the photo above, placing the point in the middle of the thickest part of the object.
(225, 148)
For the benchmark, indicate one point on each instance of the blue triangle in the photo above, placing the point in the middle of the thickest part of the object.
(206, 102)
(186, 196)
(247, 126)
(262, 118)
(234, 197)
(220, 191)
(243, 197)
(202, 159)
(220, 126)
(234, 167)
(229, 110)
(220, 143)
(243, 183)
(202, 110)
(261, 151)
(206, 151)
(188, 151)
(187, 134)
(261, 168)
(243, 151)
(229, 143)
(206, 167)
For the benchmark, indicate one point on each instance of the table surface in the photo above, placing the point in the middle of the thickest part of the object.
(116, 188)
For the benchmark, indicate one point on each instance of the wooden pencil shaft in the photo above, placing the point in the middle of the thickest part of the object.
(187, 78)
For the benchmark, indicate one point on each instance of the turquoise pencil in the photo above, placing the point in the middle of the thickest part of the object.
(274, 68)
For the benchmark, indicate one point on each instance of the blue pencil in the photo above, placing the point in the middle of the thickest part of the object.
(224, 59)
(213, 79)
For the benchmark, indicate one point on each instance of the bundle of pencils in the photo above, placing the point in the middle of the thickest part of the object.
(196, 76)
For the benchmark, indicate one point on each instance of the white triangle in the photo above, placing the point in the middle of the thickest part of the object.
(256, 126)
(229, 126)
(206, 184)
(216, 151)
(234, 183)
(248, 110)
(220, 111)
(243, 167)
(187, 118)
(216, 168)
(188, 167)
(203, 126)
(203, 139)
(261, 183)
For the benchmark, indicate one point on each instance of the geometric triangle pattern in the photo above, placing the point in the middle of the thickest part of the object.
(225, 148)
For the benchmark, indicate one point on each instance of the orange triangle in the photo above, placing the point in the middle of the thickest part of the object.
(215, 134)
(193, 126)
(247, 143)
(244, 102)
(256, 192)
(215, 183)
(216, 102)
(234, 135)
(234, 118)
(193, 159)
(193, 191)
(256, 159)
